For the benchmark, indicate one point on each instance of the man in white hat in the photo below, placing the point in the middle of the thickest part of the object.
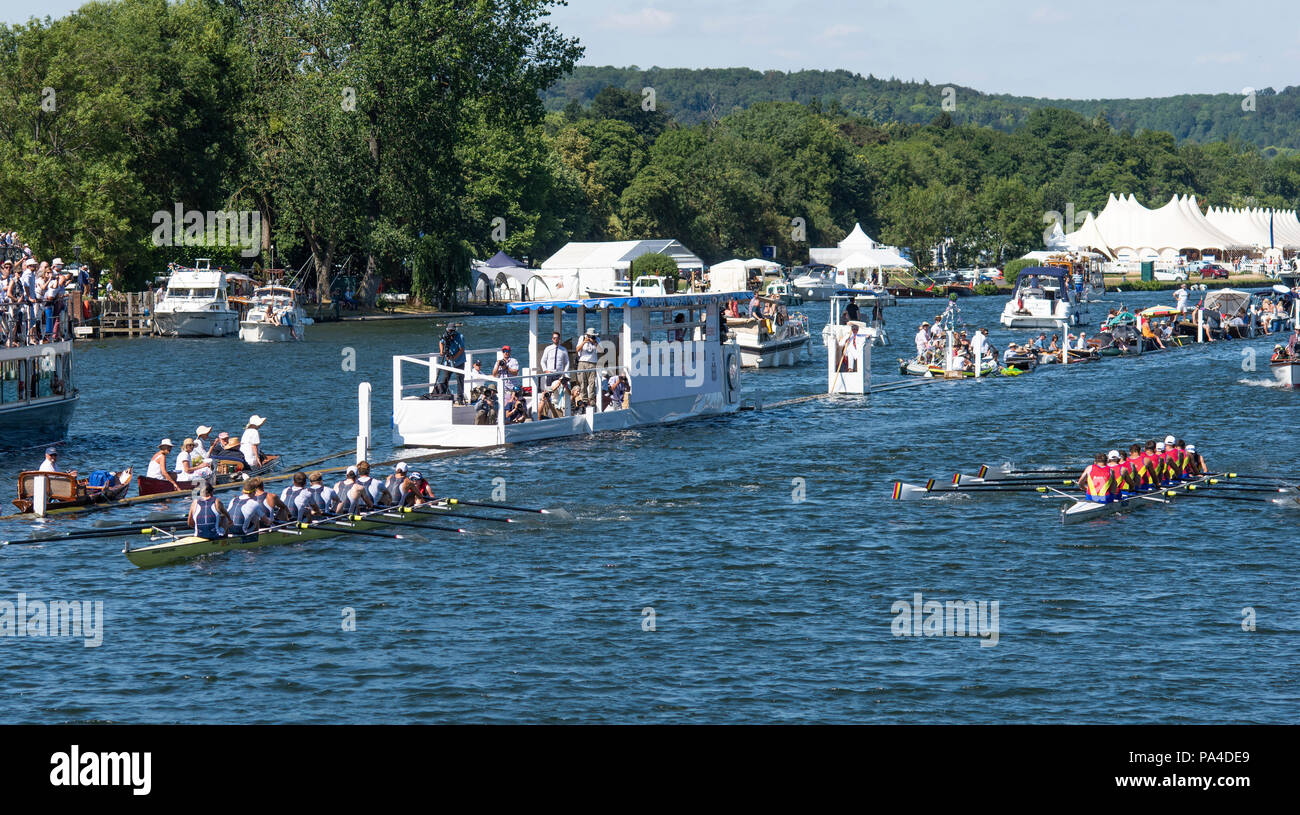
(922, 340)
(30, 301)
(250, 442)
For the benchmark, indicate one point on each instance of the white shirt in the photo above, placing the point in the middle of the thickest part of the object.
(47, 466)
(156, 468)
(200, 448)
(587, 352)
(555, 359)
(922, 341)
(977, 345)
(246, 442)
(511, 369)
(1180, 298)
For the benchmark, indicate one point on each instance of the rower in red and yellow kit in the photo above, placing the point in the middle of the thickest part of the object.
(1154, 466)
(1164, 465)
(1134, 467)
(1098, 481)
(1118, 471)
(1184, 461)
(1195, 461)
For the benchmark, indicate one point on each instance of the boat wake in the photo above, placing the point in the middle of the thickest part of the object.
(1261, 383)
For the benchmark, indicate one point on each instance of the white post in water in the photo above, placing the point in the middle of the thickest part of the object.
(40, 495)
(363, 422)
(1065, 342)
(1200, 324)
(950, 362)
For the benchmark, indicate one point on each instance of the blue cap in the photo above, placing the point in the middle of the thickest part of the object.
(50, 451)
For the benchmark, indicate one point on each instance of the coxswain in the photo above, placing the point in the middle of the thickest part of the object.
(246, 512)
(1098, 481)
(416, 491)
(158, 464)
(207, 517)
(250, 443)
(1195, 461)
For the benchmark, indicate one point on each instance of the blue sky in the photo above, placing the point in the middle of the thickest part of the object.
(1097, 48)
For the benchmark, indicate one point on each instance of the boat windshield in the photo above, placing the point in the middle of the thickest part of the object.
(186, 292)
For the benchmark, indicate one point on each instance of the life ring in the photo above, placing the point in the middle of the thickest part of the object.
(733, 374)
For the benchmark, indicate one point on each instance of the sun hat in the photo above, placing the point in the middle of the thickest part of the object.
(256, 421)
(166, 443)
(202, 429)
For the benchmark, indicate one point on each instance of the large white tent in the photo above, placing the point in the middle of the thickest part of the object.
(1252, 226)
(581, 267)
(1127, 230)
(855, 243)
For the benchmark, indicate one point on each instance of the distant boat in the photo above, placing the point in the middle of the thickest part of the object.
(195, 303)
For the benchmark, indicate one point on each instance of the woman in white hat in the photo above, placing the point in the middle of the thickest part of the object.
(201, 439)
(158, 464)
(250, 442)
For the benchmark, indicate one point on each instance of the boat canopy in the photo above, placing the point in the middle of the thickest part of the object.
(1160, 311)
(660, 301)
(1228, 301)
(1042, 271)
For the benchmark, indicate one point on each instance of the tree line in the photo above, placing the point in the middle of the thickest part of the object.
(411, 137)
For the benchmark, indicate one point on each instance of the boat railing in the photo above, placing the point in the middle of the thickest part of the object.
(528, 385)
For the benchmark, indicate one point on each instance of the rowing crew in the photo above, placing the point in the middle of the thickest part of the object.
(1112, 476)
(305, 500)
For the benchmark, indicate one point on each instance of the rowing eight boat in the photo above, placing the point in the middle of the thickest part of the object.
(1081, 511)
(192, 546)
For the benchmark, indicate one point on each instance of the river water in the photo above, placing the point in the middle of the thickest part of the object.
(765, 542)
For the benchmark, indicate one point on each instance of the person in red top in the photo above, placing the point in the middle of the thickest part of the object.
(1173, 461)
(1155, 469)
(1118, 472)
(1098, 481)
(1195, 461)
(1133, 469)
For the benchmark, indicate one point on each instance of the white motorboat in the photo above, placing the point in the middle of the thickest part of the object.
(818, 283)
(785, 292)
(765, 344)
(1043, 298)
(1287, 372)
(195, 303)
(273, 314)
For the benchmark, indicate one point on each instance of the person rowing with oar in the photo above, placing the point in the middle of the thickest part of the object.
(1098, 481)
(207, 517)
(1196, 462)
(373, 487)
(278, 511)
(393, 484)
(1138, 479)
(246, 512)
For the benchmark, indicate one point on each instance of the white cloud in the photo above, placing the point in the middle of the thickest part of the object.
(1049, 14)
(647, 19)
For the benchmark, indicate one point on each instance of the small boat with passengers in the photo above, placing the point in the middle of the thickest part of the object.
(273, 314)
(1043, 297)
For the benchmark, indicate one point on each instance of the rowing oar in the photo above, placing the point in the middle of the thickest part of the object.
(350, 531)
(507, 507)
(443, 508)
(902, 491)
(421, 524)
(84, 535)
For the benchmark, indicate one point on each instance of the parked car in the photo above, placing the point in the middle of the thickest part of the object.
(1170, 274)
(1214, 271)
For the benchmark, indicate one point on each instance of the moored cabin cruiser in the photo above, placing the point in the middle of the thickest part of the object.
(770, 338)
(273, 315)
(1043, 298)
(627, 361)
(816, 283)
(195, 304)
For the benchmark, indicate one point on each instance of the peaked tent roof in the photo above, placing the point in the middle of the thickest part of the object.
(618, 254)
(857, 239)
(501, 261)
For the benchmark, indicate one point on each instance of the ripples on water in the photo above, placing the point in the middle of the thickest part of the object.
(766, 610)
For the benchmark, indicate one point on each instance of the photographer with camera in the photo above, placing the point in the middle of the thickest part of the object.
(452, 350)
(588, 354)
